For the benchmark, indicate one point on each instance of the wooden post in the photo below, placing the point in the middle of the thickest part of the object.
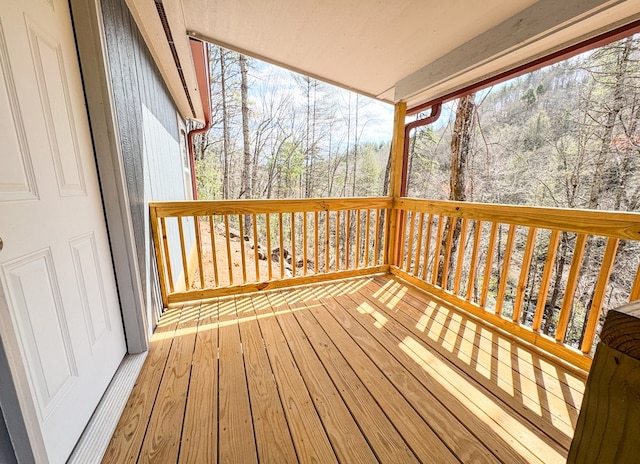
(395, 178)
(608, 428)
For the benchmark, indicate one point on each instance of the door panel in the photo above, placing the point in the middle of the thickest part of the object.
(60, 320)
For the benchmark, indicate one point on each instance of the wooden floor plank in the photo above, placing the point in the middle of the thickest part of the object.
(162, 440)
(309, 437)
(347, 439)
(386, 441)
(467, 389)
(377, 343)
(127, 439)
(235, 435)
(416, 432)
(496, 439)
(359, 370)
(273, 438)
(573, 379)
(200, 429)
(528, 396)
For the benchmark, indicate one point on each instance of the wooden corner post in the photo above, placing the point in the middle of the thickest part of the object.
(608, 428)
(395, 179)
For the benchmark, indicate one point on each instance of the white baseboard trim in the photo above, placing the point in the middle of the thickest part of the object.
(96, 436)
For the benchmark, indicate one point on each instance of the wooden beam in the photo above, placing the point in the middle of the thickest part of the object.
(395, 177)
(608, 429)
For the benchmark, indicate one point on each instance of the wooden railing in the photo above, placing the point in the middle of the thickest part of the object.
(545, 275)
(225, 247)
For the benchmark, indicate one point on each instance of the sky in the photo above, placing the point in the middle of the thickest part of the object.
(377, 116)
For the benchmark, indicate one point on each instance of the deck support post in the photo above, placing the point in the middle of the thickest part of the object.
(395, 180)
(608, 428)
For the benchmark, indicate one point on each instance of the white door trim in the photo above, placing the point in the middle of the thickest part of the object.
(92, 52)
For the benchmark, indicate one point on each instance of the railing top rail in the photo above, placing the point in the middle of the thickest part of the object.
(592, 222)
(205, 208)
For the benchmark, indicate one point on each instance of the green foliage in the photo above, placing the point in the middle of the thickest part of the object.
(208, 178)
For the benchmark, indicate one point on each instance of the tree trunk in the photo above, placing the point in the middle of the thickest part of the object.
(225, 127)
(460, 148)
(247, 186)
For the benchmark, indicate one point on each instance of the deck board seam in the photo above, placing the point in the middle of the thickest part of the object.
(355, 320)
(506, 406)
(282, 405)
(365, 386)
(373, 450)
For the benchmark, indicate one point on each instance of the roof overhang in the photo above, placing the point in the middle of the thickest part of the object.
(406, 50)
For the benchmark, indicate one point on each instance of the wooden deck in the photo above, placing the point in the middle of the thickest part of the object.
(362, 370)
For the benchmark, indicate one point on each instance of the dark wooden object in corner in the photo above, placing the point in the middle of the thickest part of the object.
(608, 429)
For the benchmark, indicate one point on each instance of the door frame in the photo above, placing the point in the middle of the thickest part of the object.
(92, 53)
(87, 21)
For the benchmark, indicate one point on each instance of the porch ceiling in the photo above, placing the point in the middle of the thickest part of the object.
(405, 50)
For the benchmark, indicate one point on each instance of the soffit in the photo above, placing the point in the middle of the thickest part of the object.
(403, 50)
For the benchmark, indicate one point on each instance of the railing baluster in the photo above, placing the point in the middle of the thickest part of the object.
(316, 247)
(598, 294)
(524, 274)
(242, 253)
(488, 265)
(635, 290)
(409, 253)
(473, 265)
(444, 282)
(401, 224)
(281, 241)
(165, 245)
(183, 251)
(376, 238)
(546, 279)
(228, 240)
(304, 242)
(347, 234)
(570, 290)
(268, 240)
(427, 245)
(460, 261)
(367, 236)
(385, 232)
(357, 247)
(256, 253)
(196, 223)
(504, 274)
(436, 253)
(293, 244)
(337, 240)
(327, 236)
(213, 250)
(418, 253)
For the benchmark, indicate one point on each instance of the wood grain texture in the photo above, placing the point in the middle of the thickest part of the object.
(164, 431)
(273, 439)
(621, 329)
(235, 436)
(346, 437)
(363, 369)
(598, 294)
(385, 440)
(382, 349)
(590, 222)
(524, 273)
(500, 363)
(573, 357)
(127, 439)
(225, 207)
(608, 429)
(200, 428)
(309, 437)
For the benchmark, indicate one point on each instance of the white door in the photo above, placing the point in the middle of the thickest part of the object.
(60, 319)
